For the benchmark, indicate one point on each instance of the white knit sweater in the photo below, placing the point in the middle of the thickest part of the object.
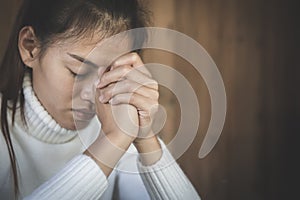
(51, 164)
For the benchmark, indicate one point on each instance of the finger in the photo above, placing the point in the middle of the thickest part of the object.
(127, 86)
(134, 60)
(126, 72)
(144, 105)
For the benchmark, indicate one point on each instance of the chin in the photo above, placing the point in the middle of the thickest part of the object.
(69, 126)
(75, 124)
(81, 124)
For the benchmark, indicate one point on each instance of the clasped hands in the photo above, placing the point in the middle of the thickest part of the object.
(126, 101)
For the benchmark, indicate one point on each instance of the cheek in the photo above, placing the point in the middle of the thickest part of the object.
(60, 87)
(64, 87)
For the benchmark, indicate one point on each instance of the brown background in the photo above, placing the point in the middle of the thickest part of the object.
(255, 45)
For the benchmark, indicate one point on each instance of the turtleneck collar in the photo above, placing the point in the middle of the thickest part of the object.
(40, 124)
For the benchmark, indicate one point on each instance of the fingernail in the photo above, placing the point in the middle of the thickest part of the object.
(100, 84)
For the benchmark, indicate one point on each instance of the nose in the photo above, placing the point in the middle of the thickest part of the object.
(88, 93)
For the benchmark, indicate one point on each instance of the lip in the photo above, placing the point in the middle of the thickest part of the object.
(83, 114)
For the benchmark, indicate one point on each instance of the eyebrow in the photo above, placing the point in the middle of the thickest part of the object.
(83, 60)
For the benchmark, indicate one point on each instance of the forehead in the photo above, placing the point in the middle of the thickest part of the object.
(100, 51)
(82, 47)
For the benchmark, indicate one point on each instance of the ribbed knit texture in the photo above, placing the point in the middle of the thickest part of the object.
(42, 125)
(165, 180)
(80, 179)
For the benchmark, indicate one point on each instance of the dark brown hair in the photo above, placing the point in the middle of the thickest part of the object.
(53, 21)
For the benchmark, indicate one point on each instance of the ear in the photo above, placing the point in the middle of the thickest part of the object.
(28, 46)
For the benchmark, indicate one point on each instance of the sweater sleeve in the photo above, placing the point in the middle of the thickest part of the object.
(165, 179)
(80, 179)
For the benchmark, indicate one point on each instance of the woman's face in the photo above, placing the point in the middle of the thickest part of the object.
(64, 85)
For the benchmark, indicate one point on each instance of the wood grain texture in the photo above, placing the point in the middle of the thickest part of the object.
(255, 45)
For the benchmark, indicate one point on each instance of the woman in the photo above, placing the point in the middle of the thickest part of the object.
(41, 111)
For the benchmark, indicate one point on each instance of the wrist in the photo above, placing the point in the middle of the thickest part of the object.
(149, 149)
(144, 145)
(108, 149)
(118, 138)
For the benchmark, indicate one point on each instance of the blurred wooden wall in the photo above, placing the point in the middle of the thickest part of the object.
(255, 45)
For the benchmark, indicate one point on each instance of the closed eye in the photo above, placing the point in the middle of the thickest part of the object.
(77, 75)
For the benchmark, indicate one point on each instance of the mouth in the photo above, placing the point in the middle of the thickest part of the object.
(83, 114)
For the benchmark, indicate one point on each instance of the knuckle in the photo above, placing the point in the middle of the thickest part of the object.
(156, 95)
(153, 84)
(145, 114)
(135, 57)
(147, 118)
